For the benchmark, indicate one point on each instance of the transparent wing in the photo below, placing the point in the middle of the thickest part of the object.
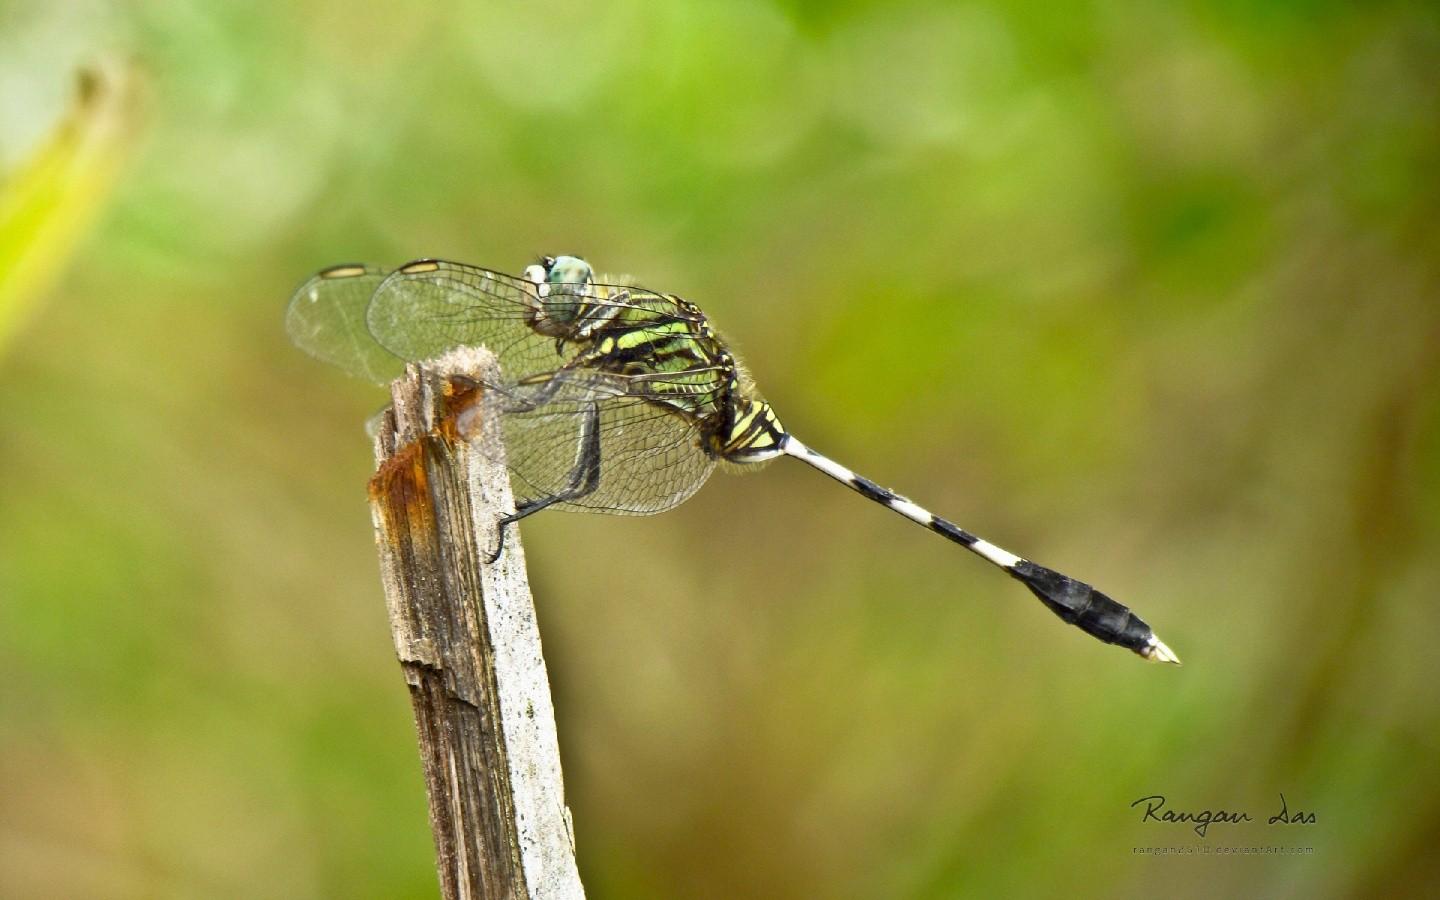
(326, 318)
(651, 459)
(369, 323)
(427, 307)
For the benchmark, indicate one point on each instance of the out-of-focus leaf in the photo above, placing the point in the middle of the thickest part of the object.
(50, 201)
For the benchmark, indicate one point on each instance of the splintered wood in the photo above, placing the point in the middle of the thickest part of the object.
(466, 636)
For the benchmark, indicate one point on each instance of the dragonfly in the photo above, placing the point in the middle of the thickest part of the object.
(616, 399)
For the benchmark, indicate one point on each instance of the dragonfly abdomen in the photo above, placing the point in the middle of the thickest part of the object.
(1075, 602)
(751, 432)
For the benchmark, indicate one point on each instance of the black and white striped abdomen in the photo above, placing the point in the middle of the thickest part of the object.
(1073, 601)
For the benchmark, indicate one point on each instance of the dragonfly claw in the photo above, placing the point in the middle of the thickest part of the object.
(499, 541)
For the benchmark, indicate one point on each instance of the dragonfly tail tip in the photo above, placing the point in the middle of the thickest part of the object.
(1156, 651)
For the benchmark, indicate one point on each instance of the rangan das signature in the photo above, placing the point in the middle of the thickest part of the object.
(1155, 811)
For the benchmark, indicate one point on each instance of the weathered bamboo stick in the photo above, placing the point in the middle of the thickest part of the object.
(466, 636)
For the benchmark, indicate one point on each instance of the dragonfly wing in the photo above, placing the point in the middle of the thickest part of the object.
(427, 307)
(326, 318)
(369, 323)
(651, 458)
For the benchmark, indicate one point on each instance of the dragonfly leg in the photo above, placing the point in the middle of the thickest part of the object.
(530, 395)
(584, 478)
(527, 398)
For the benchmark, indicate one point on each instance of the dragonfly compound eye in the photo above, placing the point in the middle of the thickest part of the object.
(570, 270)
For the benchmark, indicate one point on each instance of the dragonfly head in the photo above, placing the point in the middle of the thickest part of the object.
(563, 283)
(553, 270)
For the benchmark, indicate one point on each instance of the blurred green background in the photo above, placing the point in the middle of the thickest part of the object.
(1149, 292)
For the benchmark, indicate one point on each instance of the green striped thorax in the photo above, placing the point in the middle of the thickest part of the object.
(637, 333)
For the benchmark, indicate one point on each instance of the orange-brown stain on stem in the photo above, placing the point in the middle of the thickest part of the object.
(463, 399)
(401, 490)
(401, 485)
